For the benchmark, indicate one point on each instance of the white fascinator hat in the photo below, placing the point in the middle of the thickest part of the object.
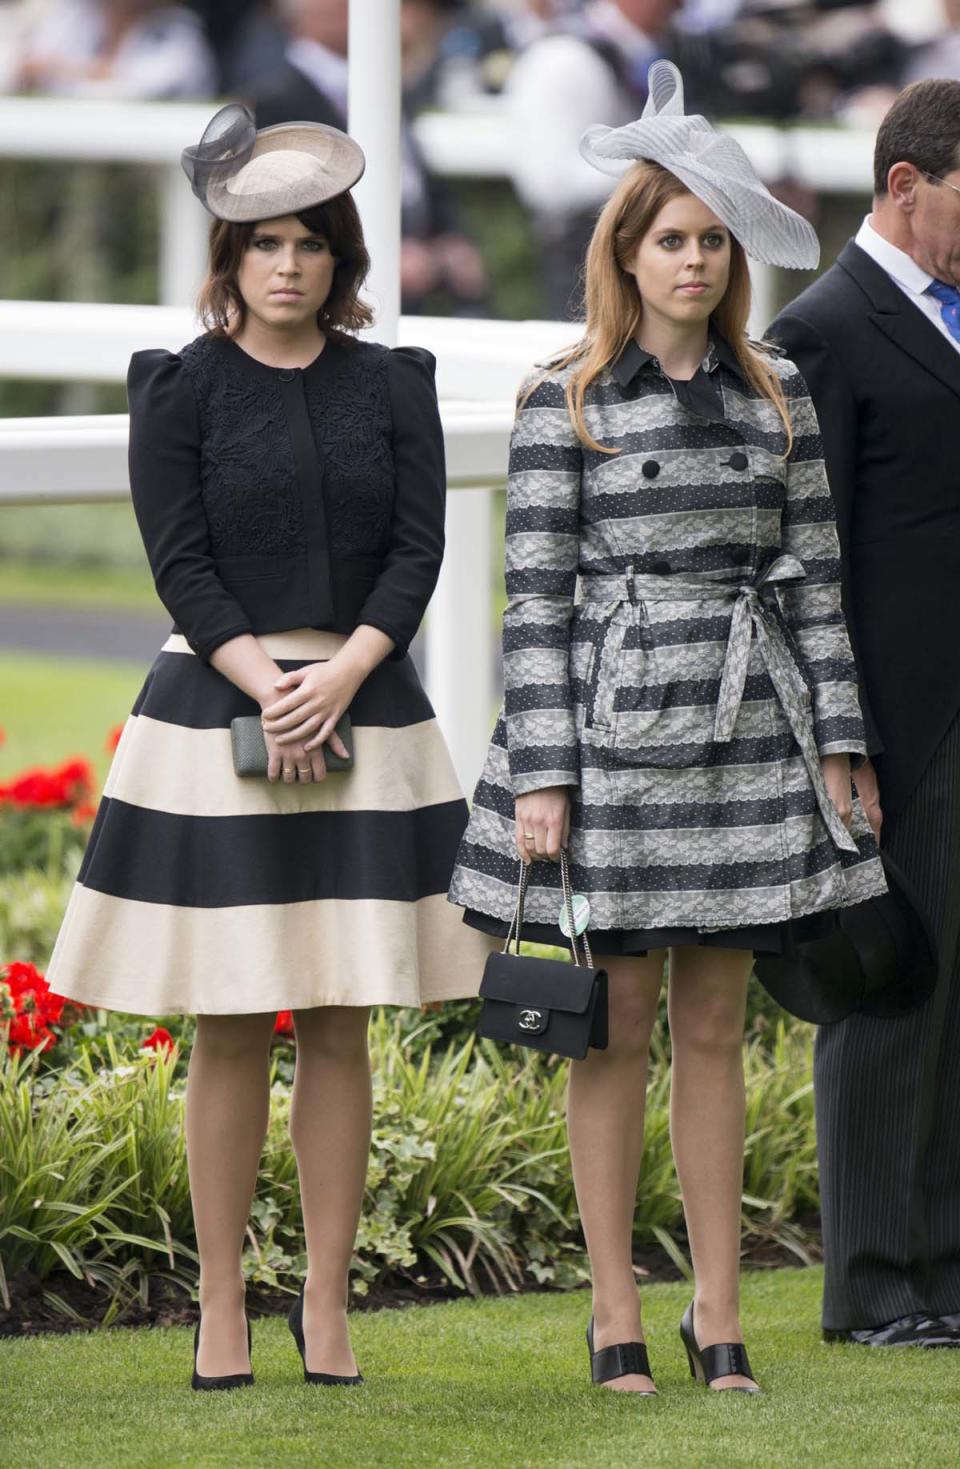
(713, 166)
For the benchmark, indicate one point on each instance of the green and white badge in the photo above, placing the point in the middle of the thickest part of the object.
(581, 916)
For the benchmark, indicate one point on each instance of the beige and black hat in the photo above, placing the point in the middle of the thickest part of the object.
(243, 175)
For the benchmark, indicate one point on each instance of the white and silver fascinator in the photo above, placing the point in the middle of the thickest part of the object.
(712, 165)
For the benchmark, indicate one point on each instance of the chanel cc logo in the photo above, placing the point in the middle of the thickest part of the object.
(530, 1019)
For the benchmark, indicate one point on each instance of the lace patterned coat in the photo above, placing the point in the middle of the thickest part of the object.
(675, 653)
(280, 499)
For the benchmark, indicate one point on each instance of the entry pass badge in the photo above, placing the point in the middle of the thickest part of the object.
(581, 916)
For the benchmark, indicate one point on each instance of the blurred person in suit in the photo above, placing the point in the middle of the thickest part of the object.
(311, 86)
(453, 53)
(116, 48)
(877, 339)
(247, 37)
(591, 67)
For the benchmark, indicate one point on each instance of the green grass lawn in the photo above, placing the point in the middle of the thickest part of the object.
(487, 1383)
(52, 708)
(68, 584)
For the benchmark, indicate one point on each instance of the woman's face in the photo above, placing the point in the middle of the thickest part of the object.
(682, 264)
(286, 273)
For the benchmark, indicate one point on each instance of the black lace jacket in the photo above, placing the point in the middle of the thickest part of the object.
(271, 499)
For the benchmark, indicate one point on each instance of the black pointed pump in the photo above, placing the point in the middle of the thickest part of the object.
(325, 1379)
(219, 1384)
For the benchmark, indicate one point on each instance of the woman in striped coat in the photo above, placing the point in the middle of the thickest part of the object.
(680, 712)
(288, 479)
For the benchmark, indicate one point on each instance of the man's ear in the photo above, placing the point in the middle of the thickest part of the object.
(902, 181)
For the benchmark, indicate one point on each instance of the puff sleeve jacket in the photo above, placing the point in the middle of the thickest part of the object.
(270, 499)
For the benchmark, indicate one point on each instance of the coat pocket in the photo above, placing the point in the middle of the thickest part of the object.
(603, 680)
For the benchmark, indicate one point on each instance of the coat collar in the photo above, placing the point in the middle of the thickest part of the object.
(899, 319)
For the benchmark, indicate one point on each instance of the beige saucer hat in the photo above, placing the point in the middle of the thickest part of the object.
(713, 166)
(243, 175)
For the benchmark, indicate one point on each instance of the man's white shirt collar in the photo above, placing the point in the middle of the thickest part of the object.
(328, 71)
(897, 263)
(611, 19)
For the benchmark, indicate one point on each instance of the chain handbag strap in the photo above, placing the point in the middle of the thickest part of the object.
(516, 923)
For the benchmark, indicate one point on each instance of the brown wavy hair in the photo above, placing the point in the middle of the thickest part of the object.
(223, 310)
(614, 309)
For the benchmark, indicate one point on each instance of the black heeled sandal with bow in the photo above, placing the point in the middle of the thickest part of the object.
(219, 1384)
(324, 1379)
(620, 1360)
(726, 1359)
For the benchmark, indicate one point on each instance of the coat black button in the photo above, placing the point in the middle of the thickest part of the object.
(650, 470)
(288, 375)
(661, 568)
(738, 460)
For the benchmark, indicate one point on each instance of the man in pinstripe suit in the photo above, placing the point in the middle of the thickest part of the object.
(878, 340)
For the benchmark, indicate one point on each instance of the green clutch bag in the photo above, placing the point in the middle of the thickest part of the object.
(250, 748)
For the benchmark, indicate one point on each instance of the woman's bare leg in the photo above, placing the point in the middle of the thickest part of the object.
(605, 1110)
(330, 1123)
(228, 1104)
(708, 989)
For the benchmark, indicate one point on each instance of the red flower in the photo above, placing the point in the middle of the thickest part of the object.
(158, 1040)
(26, 1034)
(76, 780)
(70, 784)
(32, 1008)
(83, 813)
(113, 738)
(3, 735)
(284, 1023)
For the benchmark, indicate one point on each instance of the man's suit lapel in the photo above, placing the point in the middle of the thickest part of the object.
(899, 319)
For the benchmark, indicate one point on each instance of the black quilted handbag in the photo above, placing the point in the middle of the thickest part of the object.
(544, 1003)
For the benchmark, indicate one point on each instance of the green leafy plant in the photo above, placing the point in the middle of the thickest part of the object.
(469, 1174)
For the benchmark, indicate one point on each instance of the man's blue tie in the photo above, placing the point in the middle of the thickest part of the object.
(949, 298)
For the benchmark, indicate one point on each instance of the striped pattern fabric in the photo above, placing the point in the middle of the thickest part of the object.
(888, 1102)
(201, 892)
(623, 574)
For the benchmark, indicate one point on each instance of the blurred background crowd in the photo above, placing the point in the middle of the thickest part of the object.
(555, 65)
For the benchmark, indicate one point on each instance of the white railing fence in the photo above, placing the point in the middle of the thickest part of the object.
(64, 460)
(473, 144)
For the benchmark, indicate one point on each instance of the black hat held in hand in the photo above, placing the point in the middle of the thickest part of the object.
(880, 957)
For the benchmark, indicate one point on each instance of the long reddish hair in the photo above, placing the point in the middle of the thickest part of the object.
(614, 308)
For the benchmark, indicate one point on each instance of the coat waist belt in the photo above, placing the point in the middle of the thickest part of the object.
(751, 616)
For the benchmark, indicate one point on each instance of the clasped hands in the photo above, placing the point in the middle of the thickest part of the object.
(302, 719)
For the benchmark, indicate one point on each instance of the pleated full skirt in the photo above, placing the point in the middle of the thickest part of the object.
(201, 892)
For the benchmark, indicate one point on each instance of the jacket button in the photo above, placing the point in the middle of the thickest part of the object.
(650, 470)
(661, 568)
(288, 375)
(738, 460)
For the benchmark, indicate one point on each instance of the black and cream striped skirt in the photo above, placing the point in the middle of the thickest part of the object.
(204, 893)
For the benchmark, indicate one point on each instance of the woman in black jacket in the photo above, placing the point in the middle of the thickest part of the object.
(288, 480)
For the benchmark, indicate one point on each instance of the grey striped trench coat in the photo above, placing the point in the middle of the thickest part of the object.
(674, 650)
